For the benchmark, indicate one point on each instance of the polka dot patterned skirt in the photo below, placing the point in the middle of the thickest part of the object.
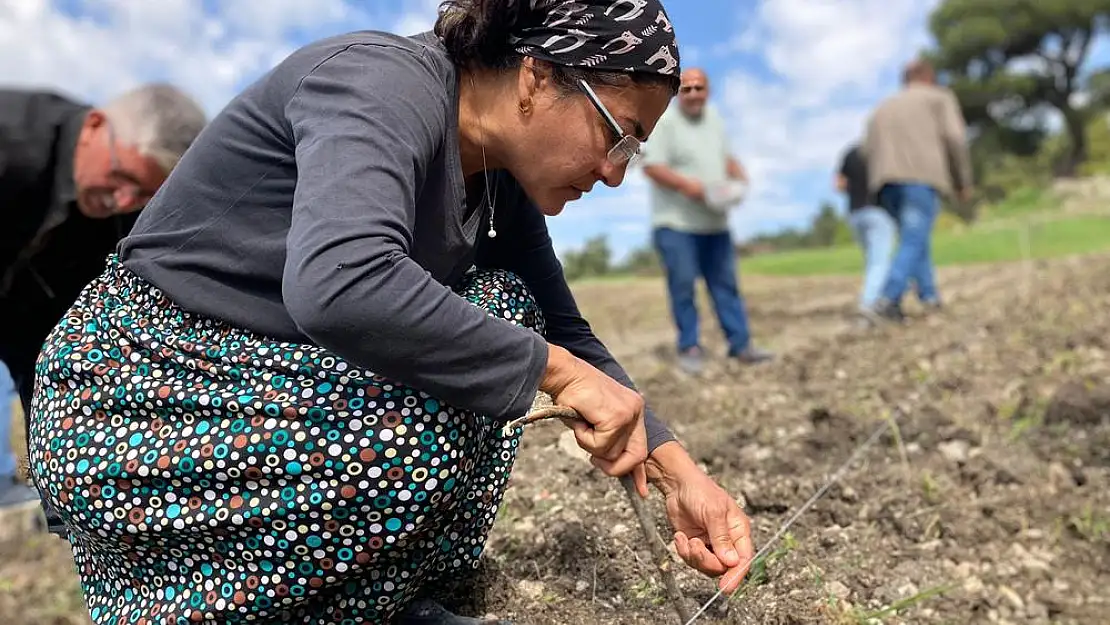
(209, 475)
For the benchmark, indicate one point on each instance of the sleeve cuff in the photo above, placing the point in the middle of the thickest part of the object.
(525, 394)
(657, 432)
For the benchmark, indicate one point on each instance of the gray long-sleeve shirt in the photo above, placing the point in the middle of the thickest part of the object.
(326, 203)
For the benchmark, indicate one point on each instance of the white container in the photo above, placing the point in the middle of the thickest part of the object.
(725, 195)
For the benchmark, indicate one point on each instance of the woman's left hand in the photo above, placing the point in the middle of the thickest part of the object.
(712, 533)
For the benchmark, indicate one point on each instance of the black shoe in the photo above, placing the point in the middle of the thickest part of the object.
(751, 356)
(691, 360)
(885, 311)
(428, 612)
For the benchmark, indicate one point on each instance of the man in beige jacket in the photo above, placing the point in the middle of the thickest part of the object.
(916, 150)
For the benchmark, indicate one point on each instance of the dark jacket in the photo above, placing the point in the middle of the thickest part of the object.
(38, 283)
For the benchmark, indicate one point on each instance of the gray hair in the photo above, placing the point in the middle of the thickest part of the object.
(158, 119)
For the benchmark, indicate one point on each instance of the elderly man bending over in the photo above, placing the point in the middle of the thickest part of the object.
(72, 178)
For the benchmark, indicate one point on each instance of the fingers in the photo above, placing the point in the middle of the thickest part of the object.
(630, 460)
(730, 534)
(625, 464)
(605, 445)
(741, 540)
(639, 476)
(697, 556)
(720, 538)
(700, 558)
(621, 434)
(721, 543)
(578, 425)
(740, 533)
(682, 546)
(595, 443)
(732, 578)
(612, 413)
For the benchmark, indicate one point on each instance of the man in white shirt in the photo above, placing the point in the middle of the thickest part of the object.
(687, 154)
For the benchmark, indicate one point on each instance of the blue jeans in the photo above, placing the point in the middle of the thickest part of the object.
(875, 232)
(7, 396)
(916, 207)
(685, 256)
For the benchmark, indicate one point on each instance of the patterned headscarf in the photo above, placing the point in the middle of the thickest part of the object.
(615, 35)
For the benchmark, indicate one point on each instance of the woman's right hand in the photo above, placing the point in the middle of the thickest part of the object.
(613, 432)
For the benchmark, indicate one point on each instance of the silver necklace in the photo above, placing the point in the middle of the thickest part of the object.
(490, 201)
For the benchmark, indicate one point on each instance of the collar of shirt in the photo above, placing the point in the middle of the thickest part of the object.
(65, 190)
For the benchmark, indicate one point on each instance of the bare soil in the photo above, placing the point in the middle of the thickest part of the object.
(987, 500)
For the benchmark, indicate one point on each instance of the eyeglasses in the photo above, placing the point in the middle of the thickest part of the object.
(627, 149)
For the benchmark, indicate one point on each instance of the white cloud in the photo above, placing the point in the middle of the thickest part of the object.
(820, 47)
(107, 46)
(824, 65)
(830, 62)
(420, 17)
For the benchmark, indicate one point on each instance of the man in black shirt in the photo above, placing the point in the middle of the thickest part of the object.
(874, 228)
(72, 178)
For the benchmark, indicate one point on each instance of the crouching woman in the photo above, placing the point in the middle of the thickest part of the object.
(283, 400)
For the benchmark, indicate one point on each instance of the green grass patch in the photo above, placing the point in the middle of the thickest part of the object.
(867, 617)
(1022, 202)
(1079, 235)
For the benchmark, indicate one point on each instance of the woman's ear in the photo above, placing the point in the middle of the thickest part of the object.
(532, 79)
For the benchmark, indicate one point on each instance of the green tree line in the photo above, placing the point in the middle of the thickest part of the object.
(595, 258)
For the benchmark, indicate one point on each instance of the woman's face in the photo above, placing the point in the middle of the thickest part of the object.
(566, 140)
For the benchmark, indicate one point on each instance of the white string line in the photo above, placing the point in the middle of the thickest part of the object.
(806, 506)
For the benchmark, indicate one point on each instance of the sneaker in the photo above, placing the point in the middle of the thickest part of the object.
(864, 319)
(428, 612)
(751, 356)
(885, 311)
(691, 360)
(932, 307)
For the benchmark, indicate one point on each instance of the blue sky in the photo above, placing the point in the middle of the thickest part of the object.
(794, 79)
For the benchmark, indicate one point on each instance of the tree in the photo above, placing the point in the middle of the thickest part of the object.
(641, 261)
(1010, 61)
(823, 232)
(593, 259)
(1098, 91)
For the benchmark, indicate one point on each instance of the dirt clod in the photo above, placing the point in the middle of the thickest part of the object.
(1077, 404)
